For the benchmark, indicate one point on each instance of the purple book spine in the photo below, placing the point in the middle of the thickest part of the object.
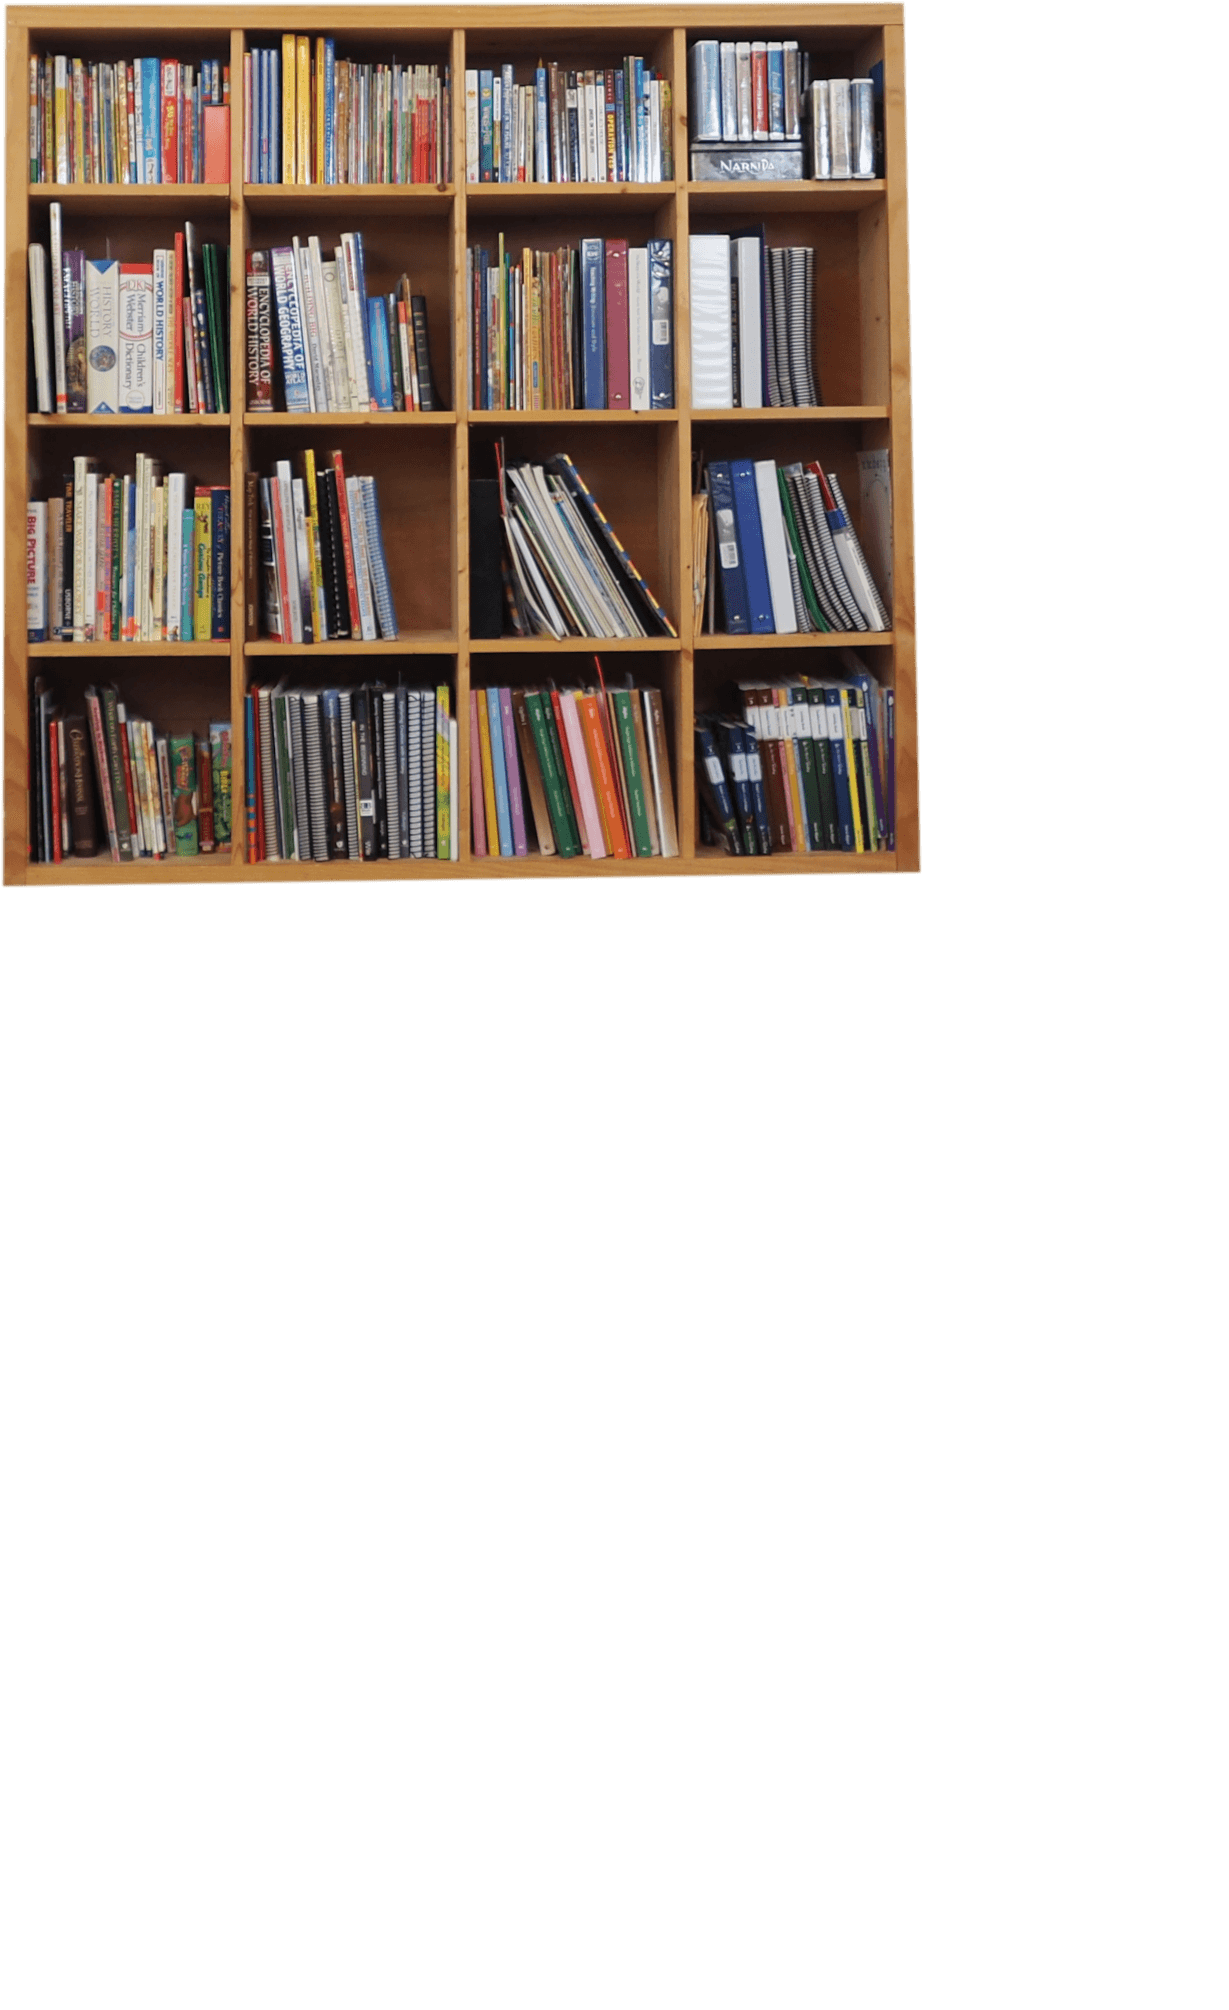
(74, 329)
(516, 806)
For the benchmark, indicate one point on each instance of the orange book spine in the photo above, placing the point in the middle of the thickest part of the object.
(603, 777)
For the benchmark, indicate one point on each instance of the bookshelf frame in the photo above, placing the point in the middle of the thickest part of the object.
(861, 32)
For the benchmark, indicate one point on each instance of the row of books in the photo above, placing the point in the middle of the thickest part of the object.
(810, 766)
(128, 558)
(333, 120)
(586, 768)
(846, 129)
(752, 322)
(337, 349)
(107, 776)
(605, 125)
(360, 773)
(746, 90)
(566, 572)
(112, 336)
(152, 120)
(324, 575)
(562, 330)
(779, 554)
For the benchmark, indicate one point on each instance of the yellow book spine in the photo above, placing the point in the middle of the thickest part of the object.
(303, 110)
(854, 766)
(319, 108)
(288, 113)
(443, 806)
(202, 582)
(61, 128)
(319, 614)
(488, 776)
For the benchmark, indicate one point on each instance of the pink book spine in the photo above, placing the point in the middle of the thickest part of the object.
(516, 804)
(477, 804)
(584, 780)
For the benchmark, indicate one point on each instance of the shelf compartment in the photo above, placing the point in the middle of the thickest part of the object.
(425, 256)
(415, 476)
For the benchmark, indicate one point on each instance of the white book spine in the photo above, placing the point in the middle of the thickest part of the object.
(292, 613)
(136, 339)
(356, 308)
(101, 334)
(454, 785)
(336, 371)
(159, 568)
(712, 368)
(638, 325)
(772, 523)
(163, 261)
(839, 127)
(322, 333)
(362, 563)
(38, 322)
(78, 548)
(750, 324)
(742, 60)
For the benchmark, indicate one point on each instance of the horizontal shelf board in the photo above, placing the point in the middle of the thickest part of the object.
(429, 643)
(579, 417)
(582, 644)
(543, 197)
(103, 868)
(859, 639)
(305, 870)
(274, 198)
(54, 420)
(128, 201)
(711, 859)
(349, 418)
(783, 414)
(775, 197)
(129, 648)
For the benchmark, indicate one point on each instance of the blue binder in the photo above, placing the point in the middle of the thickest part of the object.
(593, 310)
(729, 556)
(661, 325)
(840, 767)
(751, 542)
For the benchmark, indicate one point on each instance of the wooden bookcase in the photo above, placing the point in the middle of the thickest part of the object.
(639, 464)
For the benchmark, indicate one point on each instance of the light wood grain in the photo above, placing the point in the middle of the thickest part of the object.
(639, 464)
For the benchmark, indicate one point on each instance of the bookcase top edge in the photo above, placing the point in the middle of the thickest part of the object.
(889, 14)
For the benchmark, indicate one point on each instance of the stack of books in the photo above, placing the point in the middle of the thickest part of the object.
(846, 128)
(781, 555)
(324, 576)
(361, 773)
(752, 322)
(331, 120)
(558, 330)
(128, 558)
(569, 125)
(130, 337)
(106, 776)
(566, 572)
(588, 768)
(746, 90)
(337, 350)
(810, 766)
(152, 120)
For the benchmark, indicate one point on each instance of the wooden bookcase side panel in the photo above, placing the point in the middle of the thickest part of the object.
(642, 476)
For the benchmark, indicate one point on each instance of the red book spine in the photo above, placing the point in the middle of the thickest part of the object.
(759, 92)
(53, 734)
(618, 358)
(133, 821)
(170, 121)
(343, 511)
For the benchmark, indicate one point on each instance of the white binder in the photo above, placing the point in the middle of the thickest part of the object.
(712, 363)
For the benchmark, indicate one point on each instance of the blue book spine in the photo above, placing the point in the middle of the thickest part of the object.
(593, 297)
(266, 117)
(151, 112)
(486, 126)
(641, 142)
(220, 509)
(330, 110)
(249, 772)
(734, 753)
(360, 269)
(541, 135)
(290, 330)
(382, 593)
(273, 137)
(620, 127)
(661, 324)
(776, 91)
(503, 813)
(187, 594)
(706, 747)
(755, 781)
(751, 544)
(732, 578)
(840, 768)
(130, 571)
(507, 100)
(381, 355)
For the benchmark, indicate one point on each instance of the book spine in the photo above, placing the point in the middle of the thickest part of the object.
(36, 572)
(181, 753)
(259, 333)
(102, 769)
(220, 542)
(516, 804)
(115, 773)
(290, 330)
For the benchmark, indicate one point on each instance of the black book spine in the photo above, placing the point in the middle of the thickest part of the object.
(427, 400)
(394, 345)
(66, 618)
(361, 707)
(378, 771)
(339, 606)
(334, 776)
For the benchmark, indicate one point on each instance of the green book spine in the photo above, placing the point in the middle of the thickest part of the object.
(827, 792)
(214, 317)
(181, 752)
(556, 792)
(800, 729)
(631, 766)
(561, 768)
(109, 698)
(285, 784)
(804, 576)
